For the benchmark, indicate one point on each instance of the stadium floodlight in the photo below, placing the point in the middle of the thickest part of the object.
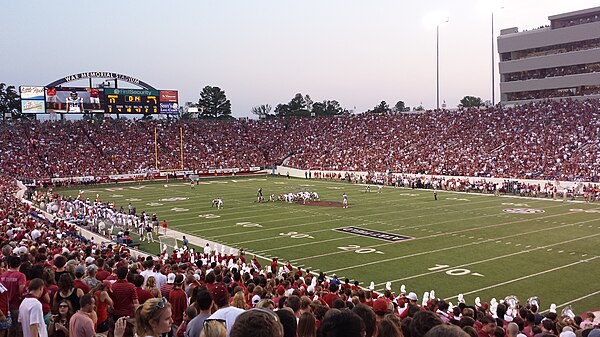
(486, 7)
(430, 20)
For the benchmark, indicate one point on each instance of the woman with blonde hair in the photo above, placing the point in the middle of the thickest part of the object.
(153, 318)
(151, 287)
(239, 300)
(214, 328)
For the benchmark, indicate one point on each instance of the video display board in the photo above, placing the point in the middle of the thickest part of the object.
(73, 99)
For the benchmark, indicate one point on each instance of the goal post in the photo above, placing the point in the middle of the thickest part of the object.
(168, 243)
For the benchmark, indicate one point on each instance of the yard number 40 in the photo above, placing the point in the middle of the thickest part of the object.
(455, 271)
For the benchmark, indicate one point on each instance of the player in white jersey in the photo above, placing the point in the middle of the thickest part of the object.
(218, 202)
(74, 103)
(345, 200)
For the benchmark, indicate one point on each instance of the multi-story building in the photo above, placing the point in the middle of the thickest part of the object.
(559, 60)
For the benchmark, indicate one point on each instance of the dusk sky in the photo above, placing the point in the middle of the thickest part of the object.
(265, 51)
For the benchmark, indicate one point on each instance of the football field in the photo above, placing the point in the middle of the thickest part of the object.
(477, 245)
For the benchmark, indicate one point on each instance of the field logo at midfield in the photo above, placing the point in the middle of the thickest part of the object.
(523, 210)
(373, 234)
(174, 199)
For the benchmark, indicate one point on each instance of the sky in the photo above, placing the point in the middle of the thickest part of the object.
(265, 51)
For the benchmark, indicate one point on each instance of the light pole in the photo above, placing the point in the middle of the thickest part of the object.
(437, 51)
(437, 59)
(493, 61)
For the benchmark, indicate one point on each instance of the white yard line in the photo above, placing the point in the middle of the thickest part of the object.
(573, 301)
(371, 222)
(525, 277)
(495, 257)
(437, 235)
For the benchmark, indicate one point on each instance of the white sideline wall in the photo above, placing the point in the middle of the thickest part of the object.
(298, 173)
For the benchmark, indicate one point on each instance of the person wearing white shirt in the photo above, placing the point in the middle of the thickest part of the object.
(30, 311)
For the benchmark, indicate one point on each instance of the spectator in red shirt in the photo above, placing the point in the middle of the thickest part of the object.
(164, 226)
(101, 274)
(178, 300)
(78, 283)
(104, 304)
(3, 304)
(123, 295)
(274, 266)
(332, 295)
(142, 294)
(488, 326)
(167, 287)
(14, 281)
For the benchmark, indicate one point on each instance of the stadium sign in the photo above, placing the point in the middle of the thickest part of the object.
(101, 74)
(139, 92)
(34, 93)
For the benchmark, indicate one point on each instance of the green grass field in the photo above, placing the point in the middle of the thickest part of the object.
(461, 243)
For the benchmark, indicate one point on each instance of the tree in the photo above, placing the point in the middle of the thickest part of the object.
(327, 108)
(214, 102)
(282, 110)
(399, 107)
(297, 103)
(381, 109)
(10, 100)
(309, 102)
(470, 101)
(262, 111)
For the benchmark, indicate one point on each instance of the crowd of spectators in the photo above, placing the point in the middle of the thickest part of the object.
(555, 93)
(56, 283)
(553, 72)
(545, 140)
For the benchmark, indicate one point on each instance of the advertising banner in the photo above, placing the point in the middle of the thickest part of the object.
(169, 96)
(33, 93)
(169, 108)
(33, 106)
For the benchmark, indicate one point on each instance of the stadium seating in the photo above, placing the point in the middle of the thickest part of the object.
(550, 140)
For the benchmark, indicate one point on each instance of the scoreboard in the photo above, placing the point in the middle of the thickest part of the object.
(134, 101)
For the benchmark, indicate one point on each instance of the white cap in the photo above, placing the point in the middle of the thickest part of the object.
(255, 300)
(89, 260)
(412, 296)
(171, 278)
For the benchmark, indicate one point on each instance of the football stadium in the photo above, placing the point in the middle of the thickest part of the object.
(126, 213)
